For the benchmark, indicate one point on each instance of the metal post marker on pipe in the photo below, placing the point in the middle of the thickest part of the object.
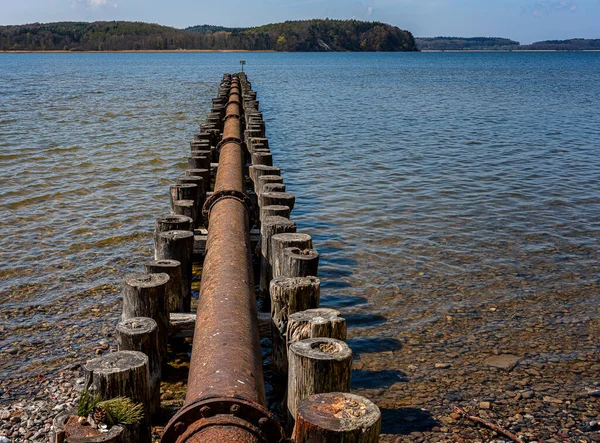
(225, 400)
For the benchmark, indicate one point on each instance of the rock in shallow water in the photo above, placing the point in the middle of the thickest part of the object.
(503, 361)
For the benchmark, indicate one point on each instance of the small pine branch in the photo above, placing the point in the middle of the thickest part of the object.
(122, 410)
(88, 401)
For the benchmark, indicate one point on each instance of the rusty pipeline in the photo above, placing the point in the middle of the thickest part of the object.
(225, 399)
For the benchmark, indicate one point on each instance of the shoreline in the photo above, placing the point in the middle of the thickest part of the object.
(22, 51)
(172, 51)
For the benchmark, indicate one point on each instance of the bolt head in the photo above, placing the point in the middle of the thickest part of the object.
(205, 411)
(234, 409)
(179, 427)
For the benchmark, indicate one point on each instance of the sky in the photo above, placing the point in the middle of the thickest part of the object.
(523, 20)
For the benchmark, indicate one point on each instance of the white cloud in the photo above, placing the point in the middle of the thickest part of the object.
(546, 7)
(93, 4)
(370, 10)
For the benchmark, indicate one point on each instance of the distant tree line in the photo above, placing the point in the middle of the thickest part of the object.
(459, 43)
(501, 44)
(308, 35)
(575, 44)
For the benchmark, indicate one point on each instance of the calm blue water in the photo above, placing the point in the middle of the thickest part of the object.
(430, 182)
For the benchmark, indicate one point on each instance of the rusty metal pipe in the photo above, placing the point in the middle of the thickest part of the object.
(225, 398)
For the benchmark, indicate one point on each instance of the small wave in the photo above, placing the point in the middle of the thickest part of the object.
(33, 200)
(64, 149)
(110, 241)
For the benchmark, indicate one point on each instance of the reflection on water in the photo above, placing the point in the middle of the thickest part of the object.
(434, 185)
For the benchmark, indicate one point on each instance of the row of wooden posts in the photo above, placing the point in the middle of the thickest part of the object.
(309, 353)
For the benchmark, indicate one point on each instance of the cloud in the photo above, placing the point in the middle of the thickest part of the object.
(370, 10)
(93, 4)
(547, 7)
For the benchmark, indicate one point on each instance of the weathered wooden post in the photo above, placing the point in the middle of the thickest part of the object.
(183, 191)
(286, 240)
(122, 374)
(337, 417)
(204, 173)
(276, 198)
(259, 170)
(289, 295)
(264, 179)
(171, 222)
(273, 187)
(199, 161)
(178, 245)
(144, 296)
(141, 334)
(313, 323)
(269, 227)
(317, 365)
(173, 299)
(202, 188)
(262, 158)
(185, 207)
(274, 210)
(67, 423)
(298, 262)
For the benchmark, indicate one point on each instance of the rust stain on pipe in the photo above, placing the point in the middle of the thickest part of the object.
(225, 400)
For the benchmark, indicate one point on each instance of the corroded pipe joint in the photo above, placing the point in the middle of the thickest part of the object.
(224, 194)
(223, 420)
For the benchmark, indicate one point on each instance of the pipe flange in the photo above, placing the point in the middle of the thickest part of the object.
(227, 117)
(229, 140)
(230, 102)
(225, 194)
(248, 417)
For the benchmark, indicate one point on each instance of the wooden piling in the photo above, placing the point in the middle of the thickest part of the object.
(141, 334)
(187, 208)
(259, 170)
(313, 323)
(184, 191)
(171, 222)
(316, 365)
(197, 161)
(178, 245)
(337, 417)
(269, 227)
(286, 240)
(144, 296)
(298, 262)
(174, 302)
(274, 210)
(68, 429)
(273, 187)
(276, 198)
(204, 173)
(262, 158)
(289, 295)
(122, 374)
(264, 179)
(202, 188)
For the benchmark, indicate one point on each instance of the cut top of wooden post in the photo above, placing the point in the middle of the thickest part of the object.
(322, 348)
(143, 280)
(173, 222)
(137, 326)
(337, 417)
(114, 363)
(312, 323)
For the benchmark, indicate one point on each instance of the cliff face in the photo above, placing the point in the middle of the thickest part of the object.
(308, 35)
